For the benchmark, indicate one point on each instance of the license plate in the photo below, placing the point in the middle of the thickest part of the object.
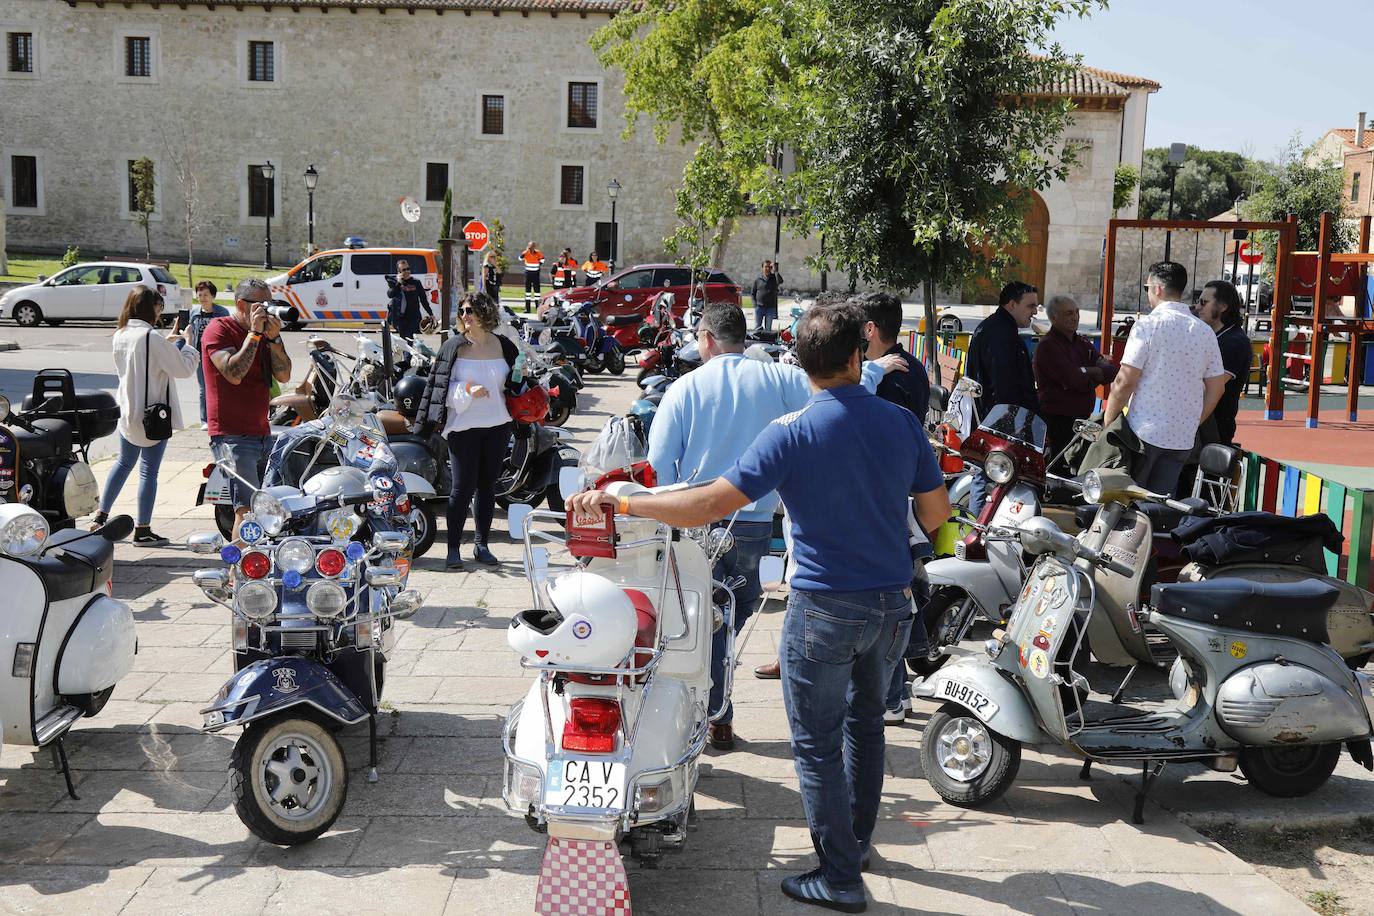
(585, 784)
(968, 696)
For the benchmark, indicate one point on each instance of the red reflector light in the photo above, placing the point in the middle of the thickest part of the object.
(591, 725)
(951, 463)
(330, 562)
(554, 391)
(208, 469)
(255, 564)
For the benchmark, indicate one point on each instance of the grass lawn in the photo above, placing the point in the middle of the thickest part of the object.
(27, 269)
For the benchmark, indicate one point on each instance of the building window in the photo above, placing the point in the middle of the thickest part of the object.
(582, 104)
(493, 115)
(24, 182)
(436, 180)
(133, 189)
(261, 63)
(138, 56)
(1355, 188)
(570, 185)
(261, 201)
(20, 52)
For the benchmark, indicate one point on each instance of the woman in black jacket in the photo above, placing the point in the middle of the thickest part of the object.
(465, 401)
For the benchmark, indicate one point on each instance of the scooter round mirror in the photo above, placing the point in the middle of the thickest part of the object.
(771, 570)
(205, 542)
(1090, 430)
(517, 519)
(405, 604)
(717, 543)
(570, 482)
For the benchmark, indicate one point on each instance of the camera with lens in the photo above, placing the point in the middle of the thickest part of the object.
(283, 311)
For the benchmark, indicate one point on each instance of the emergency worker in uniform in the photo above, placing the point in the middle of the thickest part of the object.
(533, 260)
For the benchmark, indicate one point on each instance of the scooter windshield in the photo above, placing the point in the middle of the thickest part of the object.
(1016, 423)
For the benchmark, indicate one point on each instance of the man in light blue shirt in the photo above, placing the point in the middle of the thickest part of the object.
(706, 421)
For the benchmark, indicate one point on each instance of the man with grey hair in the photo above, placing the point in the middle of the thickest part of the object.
(1068, 370)
(243, 353)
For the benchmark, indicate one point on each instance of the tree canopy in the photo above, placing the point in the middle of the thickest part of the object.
(1296, 187)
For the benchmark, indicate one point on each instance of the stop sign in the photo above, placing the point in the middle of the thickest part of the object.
(1250, 254)
(475, 231)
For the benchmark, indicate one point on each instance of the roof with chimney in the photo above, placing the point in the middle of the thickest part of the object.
(1348, 136)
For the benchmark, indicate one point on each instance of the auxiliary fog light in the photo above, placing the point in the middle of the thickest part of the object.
(326, 600)
(650, 799)
(524, 785)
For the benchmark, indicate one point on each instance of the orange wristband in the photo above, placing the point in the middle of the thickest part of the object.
(624, 505)
(255, 336)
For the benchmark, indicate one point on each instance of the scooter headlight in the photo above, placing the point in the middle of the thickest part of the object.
(999, 467)
(269, 512)
(256, 600)
(295, 555)
(326, 600)
(23, 532)
(1092, 487)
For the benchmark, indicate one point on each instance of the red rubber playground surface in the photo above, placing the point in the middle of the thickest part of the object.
(1336, 449)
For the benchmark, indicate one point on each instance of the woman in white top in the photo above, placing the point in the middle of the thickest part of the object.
(146, 363)
(465, 400)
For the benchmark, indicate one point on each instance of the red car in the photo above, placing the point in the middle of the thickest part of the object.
(623, 298)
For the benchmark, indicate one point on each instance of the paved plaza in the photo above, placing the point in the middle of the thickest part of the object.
(154, 830)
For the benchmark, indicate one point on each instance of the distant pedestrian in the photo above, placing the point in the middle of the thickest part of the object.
(564, 270)
(491, 276)
(765, 296)
(533, 261)
(146, 363)
(199, 320)
(1172, 377)
(1068, 370)
(406, 298)
(1220, 307)
(593, 269)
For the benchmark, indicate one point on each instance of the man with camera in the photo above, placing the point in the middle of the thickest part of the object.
(406, 297)
(244, 352)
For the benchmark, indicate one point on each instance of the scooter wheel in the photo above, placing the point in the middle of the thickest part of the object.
(558, 415)
(644, 373)
(934, 616)
(967, 763)
(555, 499)
(615, 363)
(594, 364)
(224, 521)
(289, 779)
(1290, 772)
(423, 525)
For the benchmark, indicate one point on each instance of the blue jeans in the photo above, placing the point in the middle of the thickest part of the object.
(838, 651)
(917, 646)
(247, 455)
(200, 381)
(149, 459)
(751, 546)
(764, 316)
(977, 491)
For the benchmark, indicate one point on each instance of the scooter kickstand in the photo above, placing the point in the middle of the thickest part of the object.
(1148, 775)
(60, 752)
(1083, 774)
(372, 748)
(1116, 697)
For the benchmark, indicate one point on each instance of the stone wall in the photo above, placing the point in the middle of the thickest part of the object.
(1203, 254)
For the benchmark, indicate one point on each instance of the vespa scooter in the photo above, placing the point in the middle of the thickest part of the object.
(1254, 684)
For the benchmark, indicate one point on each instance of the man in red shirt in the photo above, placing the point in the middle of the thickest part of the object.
(243, 352)
(1068, 369)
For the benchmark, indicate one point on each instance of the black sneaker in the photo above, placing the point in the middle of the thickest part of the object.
(482, 555)
(453, 563)
(144, 537)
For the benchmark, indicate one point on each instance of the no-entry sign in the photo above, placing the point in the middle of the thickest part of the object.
(1250, 254)
(475, 231)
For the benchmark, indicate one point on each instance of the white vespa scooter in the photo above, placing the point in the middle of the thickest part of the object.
(64, 642)
(603, 749)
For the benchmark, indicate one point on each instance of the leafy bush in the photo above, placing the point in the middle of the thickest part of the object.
(72, 257)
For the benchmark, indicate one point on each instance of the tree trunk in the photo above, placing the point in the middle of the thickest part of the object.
(928, 290)
(727, 227)
(147, 242)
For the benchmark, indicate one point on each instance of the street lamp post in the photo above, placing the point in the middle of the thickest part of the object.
(613, 191)
(269, 171)
(1177, 151)
(312, 179)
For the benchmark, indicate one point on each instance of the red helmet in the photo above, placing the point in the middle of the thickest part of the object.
(530, 406)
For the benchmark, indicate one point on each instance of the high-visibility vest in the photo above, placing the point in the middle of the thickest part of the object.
(594, 270)
(567, 268)
(532, 258)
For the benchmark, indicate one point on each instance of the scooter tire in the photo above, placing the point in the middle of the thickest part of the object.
(990, 782)
(248, 780)
(224, 521)
(1292, 771)
(615, 362)
(558, 415)
(943, 603)
(554, 499)
(644, 373)
(594, 365)
(427, 529)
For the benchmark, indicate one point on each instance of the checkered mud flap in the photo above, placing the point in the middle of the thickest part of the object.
(582, 878)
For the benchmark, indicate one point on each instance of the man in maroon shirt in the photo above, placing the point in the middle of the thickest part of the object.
(1068, 370)
(243, 352)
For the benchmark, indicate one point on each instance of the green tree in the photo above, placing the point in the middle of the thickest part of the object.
(1295, 187)
(446, 220)
(498, 244)
(1209, 181)
(144, 203)
(1124, 183)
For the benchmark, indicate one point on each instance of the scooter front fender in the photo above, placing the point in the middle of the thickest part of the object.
(271, 685)
(976, 578)
(959, 490)
(1013, 715)
(417, 487)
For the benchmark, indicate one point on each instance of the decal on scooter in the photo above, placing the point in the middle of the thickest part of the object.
(1039, 664)
(286, 680)
(1041, 640)
(1239, 649)
(250, 532)
(1213, 644)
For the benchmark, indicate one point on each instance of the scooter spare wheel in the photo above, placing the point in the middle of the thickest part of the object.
(582, 876)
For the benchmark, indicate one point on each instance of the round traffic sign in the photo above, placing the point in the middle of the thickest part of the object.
(1250, 253)
(475, 231)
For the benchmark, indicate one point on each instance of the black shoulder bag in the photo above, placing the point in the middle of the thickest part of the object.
(157, 418)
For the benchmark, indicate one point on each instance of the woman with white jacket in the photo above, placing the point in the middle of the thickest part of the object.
(146, 363)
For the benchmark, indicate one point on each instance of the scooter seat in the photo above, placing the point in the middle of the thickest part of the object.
(1294, 609)
(50, 438)
(393, 422)
(86, 563)
(1164, 518)
(620, 321)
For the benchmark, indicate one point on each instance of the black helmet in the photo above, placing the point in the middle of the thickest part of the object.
(409, 391)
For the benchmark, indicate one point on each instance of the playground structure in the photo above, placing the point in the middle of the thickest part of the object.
(1352, 280)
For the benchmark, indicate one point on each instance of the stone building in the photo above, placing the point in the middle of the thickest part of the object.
(501, 100)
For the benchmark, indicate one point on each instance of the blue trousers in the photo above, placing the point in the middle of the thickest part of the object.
(149, 460)
(751, 546)
(837, 653)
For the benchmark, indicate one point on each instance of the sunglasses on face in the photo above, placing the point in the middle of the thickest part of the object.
(467, 310)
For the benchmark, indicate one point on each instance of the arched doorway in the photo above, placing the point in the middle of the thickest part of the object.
(1028, 258)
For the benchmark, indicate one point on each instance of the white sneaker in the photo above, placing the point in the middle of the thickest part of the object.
(896, 716)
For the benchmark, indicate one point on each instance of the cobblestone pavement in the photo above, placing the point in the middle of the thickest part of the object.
(154, 829)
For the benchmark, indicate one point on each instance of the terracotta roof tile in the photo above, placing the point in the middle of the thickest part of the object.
(1348, 135)
(1124, 79)
(562, 6)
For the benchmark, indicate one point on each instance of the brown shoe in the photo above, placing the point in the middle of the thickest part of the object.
(769, 672)
(723, 737)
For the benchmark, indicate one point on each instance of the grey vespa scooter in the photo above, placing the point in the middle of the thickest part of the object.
(1255, 684)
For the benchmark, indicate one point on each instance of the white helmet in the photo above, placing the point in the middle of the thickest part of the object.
(592, 624)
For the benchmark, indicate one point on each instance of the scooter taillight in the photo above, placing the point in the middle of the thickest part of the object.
(591, 725)
(209, 469)
(554, 391)
(951, 463)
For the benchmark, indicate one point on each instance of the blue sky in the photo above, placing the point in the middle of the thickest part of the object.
(1237, 74)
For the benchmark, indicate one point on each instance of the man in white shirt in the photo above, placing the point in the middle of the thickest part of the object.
(1172, 377)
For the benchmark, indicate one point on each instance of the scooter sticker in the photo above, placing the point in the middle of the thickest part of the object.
(1239, 649)
(1039, 663)
(582, 629)
(251, 532)
(286, 680)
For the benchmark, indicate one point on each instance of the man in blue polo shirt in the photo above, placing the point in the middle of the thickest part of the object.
(844, 465)
(705, 422)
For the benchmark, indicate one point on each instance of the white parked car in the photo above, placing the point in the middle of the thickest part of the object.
(87, 291)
